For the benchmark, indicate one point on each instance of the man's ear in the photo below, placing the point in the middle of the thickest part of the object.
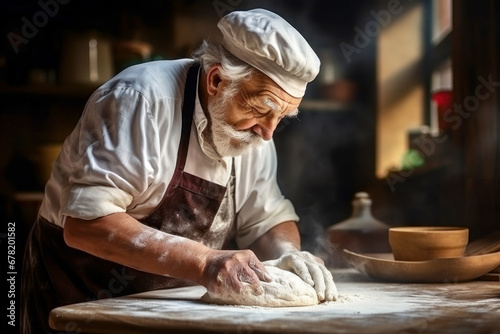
(213, 79)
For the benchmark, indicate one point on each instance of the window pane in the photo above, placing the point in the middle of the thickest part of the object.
(441, 19)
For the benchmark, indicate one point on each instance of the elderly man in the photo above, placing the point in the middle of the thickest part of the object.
(170, 162)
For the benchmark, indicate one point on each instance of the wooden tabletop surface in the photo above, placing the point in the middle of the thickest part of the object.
(364, 306)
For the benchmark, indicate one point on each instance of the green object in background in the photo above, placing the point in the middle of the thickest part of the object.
(412, 159)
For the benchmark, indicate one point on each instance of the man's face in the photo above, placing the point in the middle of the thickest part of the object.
(243, 117)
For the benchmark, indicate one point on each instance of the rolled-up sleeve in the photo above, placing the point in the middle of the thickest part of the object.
(262, 205)
(113, 155)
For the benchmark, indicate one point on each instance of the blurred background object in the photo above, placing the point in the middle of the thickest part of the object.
(361, 233)
(86, 59)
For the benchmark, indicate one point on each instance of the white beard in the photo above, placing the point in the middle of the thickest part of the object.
(228, 141)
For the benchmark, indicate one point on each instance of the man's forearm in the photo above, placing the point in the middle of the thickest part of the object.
(120, 238)
(281, 239)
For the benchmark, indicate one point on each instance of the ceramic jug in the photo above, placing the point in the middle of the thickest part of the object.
(361, 233)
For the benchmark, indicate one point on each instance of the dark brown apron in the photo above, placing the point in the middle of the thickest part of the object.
(55, 274)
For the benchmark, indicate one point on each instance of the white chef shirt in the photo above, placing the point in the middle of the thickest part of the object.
(122, 154)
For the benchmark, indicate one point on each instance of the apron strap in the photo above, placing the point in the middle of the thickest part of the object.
(187, 117)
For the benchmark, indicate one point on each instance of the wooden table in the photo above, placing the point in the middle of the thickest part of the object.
(364, 306)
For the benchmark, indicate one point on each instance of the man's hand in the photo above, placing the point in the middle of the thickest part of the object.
(311, 269)
(234, 270)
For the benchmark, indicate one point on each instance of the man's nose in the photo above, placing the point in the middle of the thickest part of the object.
(265, 127)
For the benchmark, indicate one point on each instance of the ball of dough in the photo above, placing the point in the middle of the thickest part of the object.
(286, 289)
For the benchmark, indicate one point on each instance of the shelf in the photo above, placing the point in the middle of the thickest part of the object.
(430, 166)
(322, 105)
(28, 196)
(84, 92)
(49, 90)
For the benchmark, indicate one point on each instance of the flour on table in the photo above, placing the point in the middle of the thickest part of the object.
(286, 289)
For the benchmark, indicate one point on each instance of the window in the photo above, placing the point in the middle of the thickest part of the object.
(413, 63)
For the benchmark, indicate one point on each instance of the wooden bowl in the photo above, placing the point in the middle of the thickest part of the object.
(422, 243)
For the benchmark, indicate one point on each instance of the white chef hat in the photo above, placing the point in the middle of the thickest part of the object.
(270, 44)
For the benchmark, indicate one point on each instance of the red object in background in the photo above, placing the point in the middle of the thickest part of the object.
(443, 100)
